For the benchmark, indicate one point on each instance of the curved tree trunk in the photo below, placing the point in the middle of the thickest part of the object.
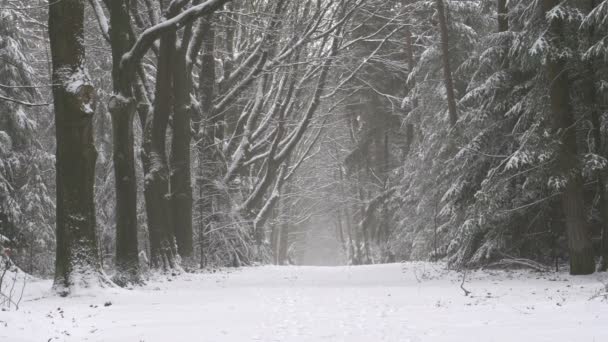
(77, 262)
(156, 183)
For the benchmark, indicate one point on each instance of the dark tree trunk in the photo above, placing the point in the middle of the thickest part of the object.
(77, 261)
(386, 230)
(122, 109)
(363, 231)
(156, 183)
(445, 57)
(181, 183)
(411, 64)
(503, 26)
(283, 243)
(503, 15)
(282, 239)
(349, 220)
(209, 129)
(572, 198)
(229, 117)
(603, 208)
(593, 106)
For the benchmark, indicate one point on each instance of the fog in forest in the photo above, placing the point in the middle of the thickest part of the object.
(313, 170)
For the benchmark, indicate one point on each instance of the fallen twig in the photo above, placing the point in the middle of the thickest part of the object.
(510, 261)
(464, 275)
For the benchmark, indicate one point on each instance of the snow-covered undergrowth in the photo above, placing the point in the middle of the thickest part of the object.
(395, 302)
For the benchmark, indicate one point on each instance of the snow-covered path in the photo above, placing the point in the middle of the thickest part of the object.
(396, 302)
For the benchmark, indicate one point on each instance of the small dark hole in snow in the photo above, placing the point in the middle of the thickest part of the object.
(107, 303)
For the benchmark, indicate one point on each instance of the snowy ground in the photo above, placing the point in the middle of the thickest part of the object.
(396, 302)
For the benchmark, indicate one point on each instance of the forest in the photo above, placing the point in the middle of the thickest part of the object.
(163, 162)
(143, 137)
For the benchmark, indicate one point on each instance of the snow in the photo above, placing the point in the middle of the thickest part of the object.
(394, 302)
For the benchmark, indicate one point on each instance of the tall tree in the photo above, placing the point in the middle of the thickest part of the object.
(572, 198)
(130, 94)
(122, 110)
(592, 105)
(158, 205)
(445, 58)
(77, 262)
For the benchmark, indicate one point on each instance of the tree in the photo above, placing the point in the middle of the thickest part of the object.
(127, 52)
(592, 29)
(572, 198)
(445, 57)
(26, 190)
(77, 262)
(122, 110)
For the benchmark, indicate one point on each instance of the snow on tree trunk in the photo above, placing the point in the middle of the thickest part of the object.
(77, 263)
(156, 184)
(180, 178)
(122, 109)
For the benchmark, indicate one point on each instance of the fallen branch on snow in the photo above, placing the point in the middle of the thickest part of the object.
(509, 261)
(464, 275)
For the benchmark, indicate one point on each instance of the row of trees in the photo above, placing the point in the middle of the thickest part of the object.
(247, 116)
(224, 101)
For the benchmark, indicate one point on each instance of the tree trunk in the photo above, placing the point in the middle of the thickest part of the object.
(572, 198)
(181, 183)
(503, 26)
(503, 15)
(122, 109)
(386, 230)
(77, 262)
(590, 99)
(156, 183)
(411, 64)
(209, 129)
(283, 229)
(445, 57)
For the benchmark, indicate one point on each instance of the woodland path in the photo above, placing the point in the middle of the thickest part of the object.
(395, 302)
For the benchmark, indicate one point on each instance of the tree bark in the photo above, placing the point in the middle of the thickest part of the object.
(280, 230)
(591, 101)
(572, 198)
(503, 26)
(210, 128)
(181, 183)
(283, 235)
(122, 109)
(503, 15)
(77, 262)
(411, 63)
(445, 57)
(156, 183)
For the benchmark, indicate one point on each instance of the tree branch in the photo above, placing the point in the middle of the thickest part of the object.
(29, 104)
(150, 35)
